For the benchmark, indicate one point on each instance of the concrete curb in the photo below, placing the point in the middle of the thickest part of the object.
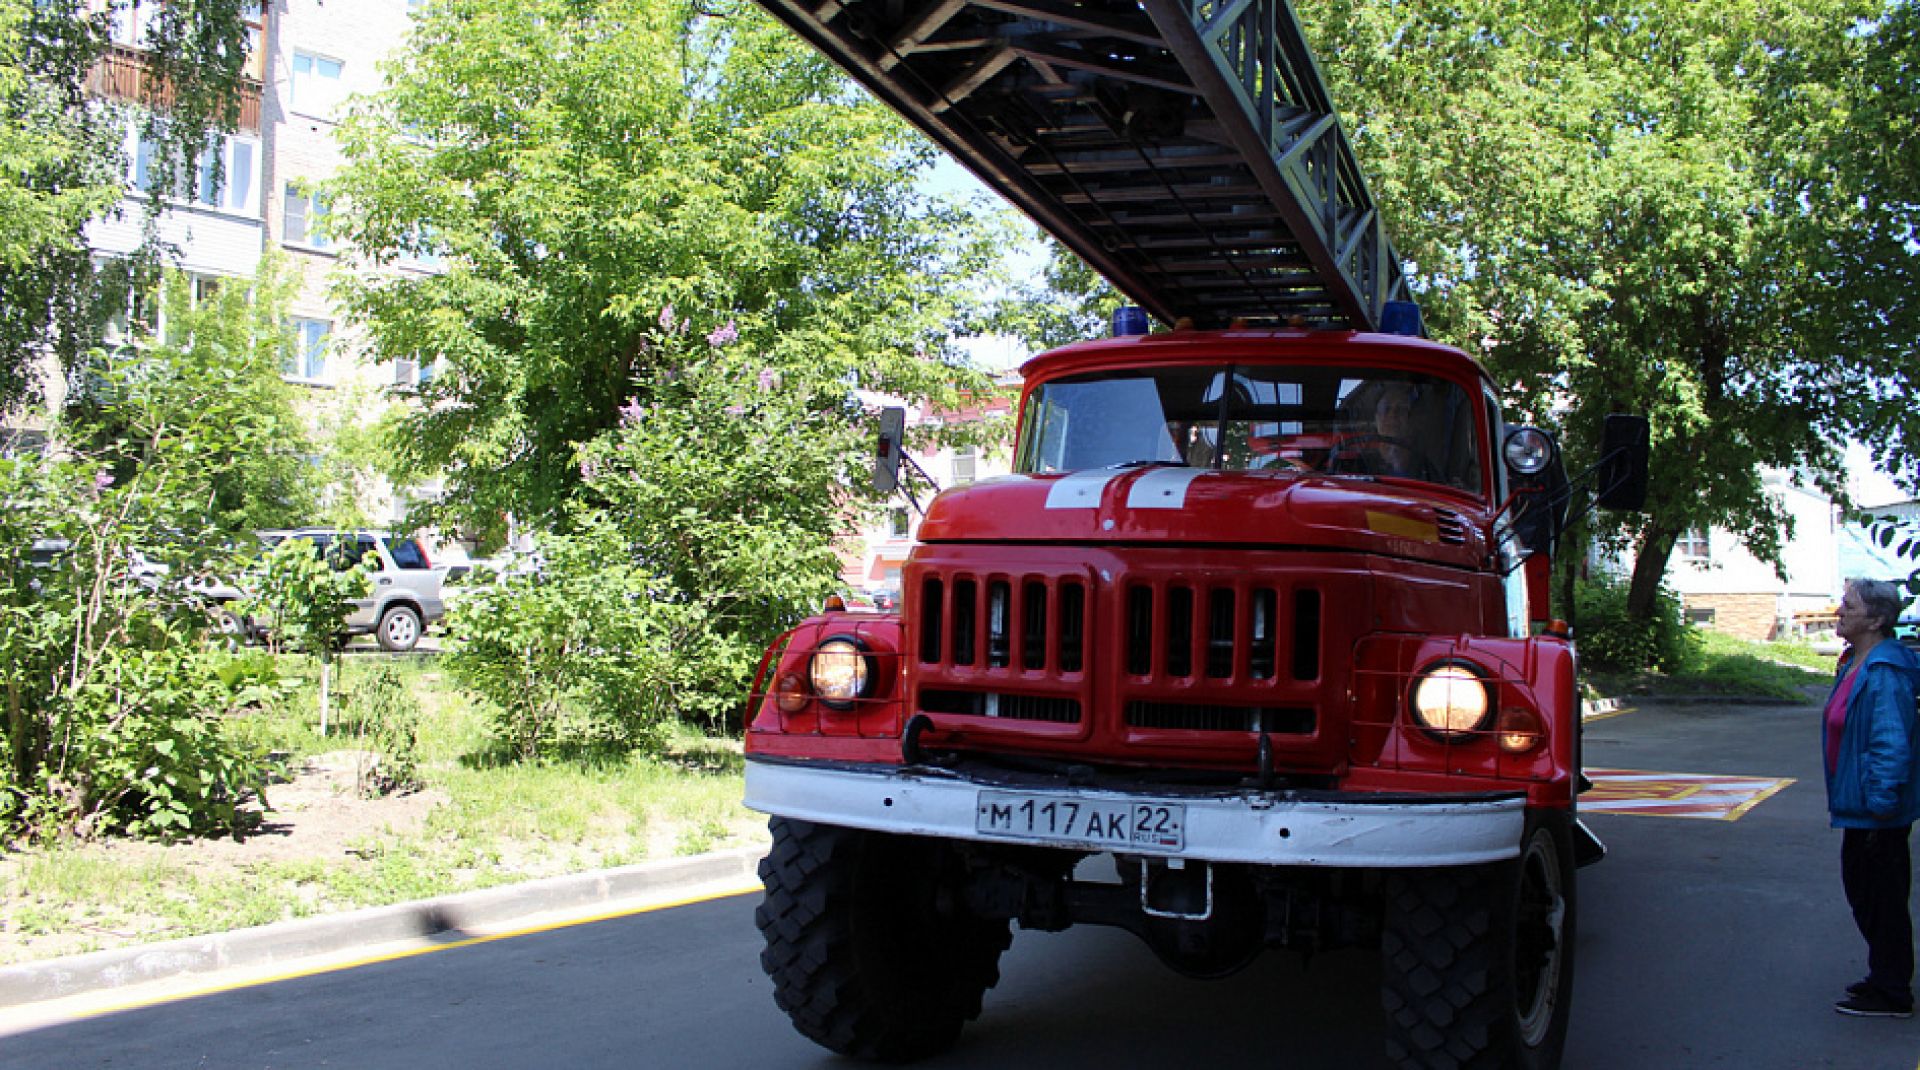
(1594, 707)
(447, 917)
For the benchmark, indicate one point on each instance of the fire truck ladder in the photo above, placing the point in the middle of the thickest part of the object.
(1186, 149)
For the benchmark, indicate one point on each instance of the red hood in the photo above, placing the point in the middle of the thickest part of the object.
(1165, 504)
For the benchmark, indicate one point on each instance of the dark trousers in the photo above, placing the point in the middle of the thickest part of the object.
(1876, 866)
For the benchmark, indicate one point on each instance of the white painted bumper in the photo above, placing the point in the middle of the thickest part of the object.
(1261, 828)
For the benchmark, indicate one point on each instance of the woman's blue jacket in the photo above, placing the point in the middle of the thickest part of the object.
(1875, 782)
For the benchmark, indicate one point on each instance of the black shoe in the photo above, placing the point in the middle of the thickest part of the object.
(1871, 1004)
(1859, 988)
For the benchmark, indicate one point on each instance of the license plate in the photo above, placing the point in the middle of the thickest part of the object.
(1106, 823)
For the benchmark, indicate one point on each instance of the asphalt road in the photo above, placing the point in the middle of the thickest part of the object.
(1702, 944)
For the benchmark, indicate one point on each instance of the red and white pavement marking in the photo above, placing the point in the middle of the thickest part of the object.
(1722, 798)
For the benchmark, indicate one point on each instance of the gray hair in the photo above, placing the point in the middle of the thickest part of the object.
(1882, 601)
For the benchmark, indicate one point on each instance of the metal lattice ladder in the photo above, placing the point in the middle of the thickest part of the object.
(1186, 149)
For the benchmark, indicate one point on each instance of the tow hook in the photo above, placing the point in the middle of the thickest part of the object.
(1176, 889)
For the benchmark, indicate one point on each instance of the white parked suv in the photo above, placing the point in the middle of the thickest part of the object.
(407, 585)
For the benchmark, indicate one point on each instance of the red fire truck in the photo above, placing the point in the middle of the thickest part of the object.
(1253, 648)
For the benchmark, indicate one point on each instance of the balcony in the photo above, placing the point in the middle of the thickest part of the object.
(122, 74)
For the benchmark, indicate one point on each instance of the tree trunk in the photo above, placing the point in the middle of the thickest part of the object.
(1649, 569)
(326, 689)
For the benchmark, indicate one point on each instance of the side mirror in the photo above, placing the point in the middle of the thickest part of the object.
(886, 453)
(1622, 478)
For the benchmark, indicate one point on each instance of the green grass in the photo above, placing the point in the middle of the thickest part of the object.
(491, 823)
(1735, 668)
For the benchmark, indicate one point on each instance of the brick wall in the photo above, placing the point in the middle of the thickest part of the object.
(1744, 616)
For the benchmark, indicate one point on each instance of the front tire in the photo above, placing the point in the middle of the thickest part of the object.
(871, 949)
(1477, 961)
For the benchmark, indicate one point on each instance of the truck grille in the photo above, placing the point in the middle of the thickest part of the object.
(1051, 613)
(1171, 629)
(1201, 631)
(999, 704)
(1099, 658)
(1206, 717)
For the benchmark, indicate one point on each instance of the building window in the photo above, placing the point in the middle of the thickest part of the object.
(316, 84)
(1693, 545)
(147, 317)
(411, 373)
(255, 16)
(222, 178)
(897, 523)
(306, 355)
(304, 221)
(132, 24)
(963, 465)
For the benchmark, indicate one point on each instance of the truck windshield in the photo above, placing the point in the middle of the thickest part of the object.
(1342, 420)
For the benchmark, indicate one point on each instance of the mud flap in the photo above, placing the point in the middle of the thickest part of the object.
(1587, 848)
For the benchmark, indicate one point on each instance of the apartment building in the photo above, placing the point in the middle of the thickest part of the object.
(306, 59)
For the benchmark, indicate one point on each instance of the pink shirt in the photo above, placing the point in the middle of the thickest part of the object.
(1837, 717)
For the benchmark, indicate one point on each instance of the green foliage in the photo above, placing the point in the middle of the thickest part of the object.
(386, 717)
(208, 398)
(570, 657)
(1072, 304)
(304, 596)
(65, 161)
(597, 175)
(1900, 536)
(115, 708)
(1637, 207)
(1724, 665)
(114, 713)
(1611, 639)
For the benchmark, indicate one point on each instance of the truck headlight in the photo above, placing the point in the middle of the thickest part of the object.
(1450, 700)
(840, 672)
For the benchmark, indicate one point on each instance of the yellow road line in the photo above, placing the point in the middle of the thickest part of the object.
(705, 896)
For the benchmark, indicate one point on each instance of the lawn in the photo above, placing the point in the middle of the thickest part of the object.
(1722, 666)
(323, 847)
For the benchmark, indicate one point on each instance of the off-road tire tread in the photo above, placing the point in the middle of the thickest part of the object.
(847, 984)
(1446, 947)
(1438, 982)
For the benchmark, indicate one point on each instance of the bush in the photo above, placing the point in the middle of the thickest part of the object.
(1612, 641)
(116, 712)
(386, 721)
(574, 656)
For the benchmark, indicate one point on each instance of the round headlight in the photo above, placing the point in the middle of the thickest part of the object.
(1450, 700)
(839, 672)
(1528, 450)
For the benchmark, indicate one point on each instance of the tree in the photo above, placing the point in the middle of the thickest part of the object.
(597, 175)
(305, 595)
(63, 162)
(212, 380)
(1615, 204)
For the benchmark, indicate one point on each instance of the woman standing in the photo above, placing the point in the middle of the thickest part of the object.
(1873, 791)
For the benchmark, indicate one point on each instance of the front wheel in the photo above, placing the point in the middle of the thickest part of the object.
(869, 944)
(1477, 961)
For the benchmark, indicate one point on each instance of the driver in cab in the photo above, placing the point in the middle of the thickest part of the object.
(1385, 441)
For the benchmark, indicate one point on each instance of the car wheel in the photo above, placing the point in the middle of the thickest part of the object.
(399, 629)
